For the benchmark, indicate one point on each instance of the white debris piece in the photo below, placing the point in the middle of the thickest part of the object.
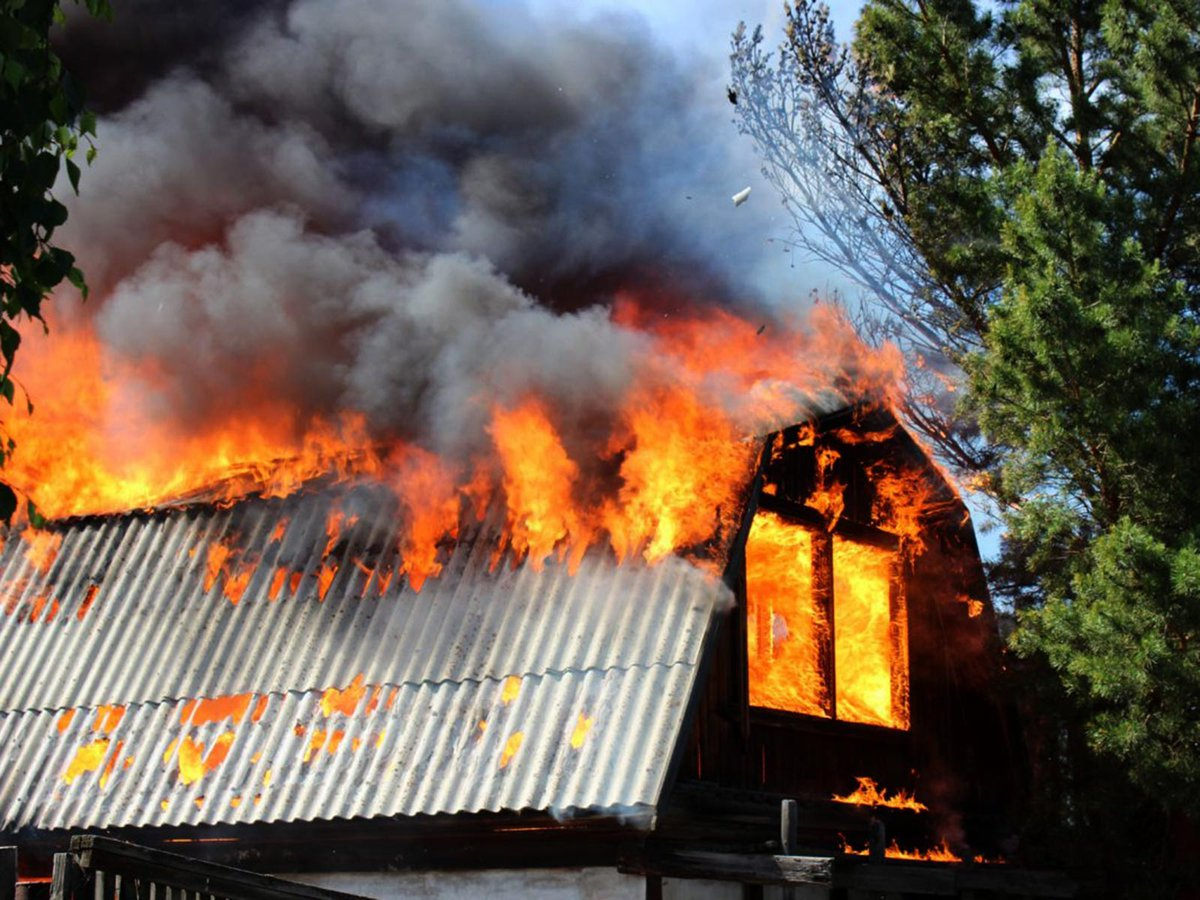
(741, 196)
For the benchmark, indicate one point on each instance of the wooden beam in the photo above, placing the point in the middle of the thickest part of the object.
(745, 868)
(953, 881)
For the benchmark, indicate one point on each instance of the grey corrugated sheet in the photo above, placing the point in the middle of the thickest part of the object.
(625, 641)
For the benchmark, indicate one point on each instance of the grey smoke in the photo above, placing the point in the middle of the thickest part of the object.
(419, 209)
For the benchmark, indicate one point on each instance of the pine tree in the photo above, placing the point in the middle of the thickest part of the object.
(1034, 166)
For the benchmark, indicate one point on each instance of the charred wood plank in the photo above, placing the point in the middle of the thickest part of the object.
(953, 881)
(745, 868)
(1021, 882)
(66, 878)
(935, 881)
(132, 862)
(8, 873)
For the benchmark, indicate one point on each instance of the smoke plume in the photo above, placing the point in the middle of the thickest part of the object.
(394, 207)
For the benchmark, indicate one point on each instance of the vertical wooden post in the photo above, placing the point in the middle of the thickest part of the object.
(876, 840)
(64, 883)
(8, 873)
(654, 887)
(823, 597)
(789, 824)
(898, 611)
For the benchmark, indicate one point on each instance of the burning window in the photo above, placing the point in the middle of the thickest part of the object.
(826, 624)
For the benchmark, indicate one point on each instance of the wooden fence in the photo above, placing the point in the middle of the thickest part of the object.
(99, 868)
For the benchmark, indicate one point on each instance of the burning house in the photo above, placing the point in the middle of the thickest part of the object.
(289, 685)
(432, 508)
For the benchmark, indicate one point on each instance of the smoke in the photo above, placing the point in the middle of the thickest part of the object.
(407, 209)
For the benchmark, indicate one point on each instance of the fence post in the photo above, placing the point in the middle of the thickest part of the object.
(65, 882)
(8, 873)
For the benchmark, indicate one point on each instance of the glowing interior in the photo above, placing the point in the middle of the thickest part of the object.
(789, 634)
(786, 629)
(868, 645)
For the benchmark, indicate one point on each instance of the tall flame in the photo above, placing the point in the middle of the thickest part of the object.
(657, 473)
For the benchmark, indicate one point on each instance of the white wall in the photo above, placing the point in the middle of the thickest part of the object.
(695, 889)
(492, 884)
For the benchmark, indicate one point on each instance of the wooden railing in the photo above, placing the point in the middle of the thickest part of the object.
(99, 868)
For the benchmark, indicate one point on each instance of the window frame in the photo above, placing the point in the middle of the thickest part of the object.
(806, 517)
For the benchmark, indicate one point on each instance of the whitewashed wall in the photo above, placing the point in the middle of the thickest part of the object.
(493, 884)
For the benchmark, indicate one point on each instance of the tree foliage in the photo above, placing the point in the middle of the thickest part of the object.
(1016, 187)
(42, 121)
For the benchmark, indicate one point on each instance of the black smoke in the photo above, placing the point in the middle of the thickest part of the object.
(393, 206)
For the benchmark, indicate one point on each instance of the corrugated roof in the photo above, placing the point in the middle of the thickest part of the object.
(139, 611)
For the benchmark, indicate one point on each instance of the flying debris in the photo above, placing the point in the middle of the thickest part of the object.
(732, 95)
(741, 196)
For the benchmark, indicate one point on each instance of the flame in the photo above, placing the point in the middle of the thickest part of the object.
(539, 482)
(682, 465)
(110, 765)
(940, 853)
(108, 718)
(786, 628)
(582, 726)
(869, 794)
(828, 496)
(193, 764)
(428, 490)
(344, 701)
(511, 689)
(870, 643)
(215, 709)
(41, 548)
(87, 759)
(94, 444)
(511, 746)
(89, 598)
(658, 471)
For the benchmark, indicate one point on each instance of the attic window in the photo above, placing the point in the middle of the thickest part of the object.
(826, 625)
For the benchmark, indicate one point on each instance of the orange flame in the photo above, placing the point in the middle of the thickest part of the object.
(87, 759)
(940, 853)
(658, 472)
(869, 794)
(539, 481)
(344, 701)
(582, 726)
(870, 640)
(41, 548)
(511, 746)
(786, 628)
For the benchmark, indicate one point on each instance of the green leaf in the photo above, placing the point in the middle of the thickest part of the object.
(14, 73)
(73, 174)
(75, 277)
(10, 340)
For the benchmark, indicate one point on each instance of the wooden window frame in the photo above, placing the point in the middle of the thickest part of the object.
(823, 589)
